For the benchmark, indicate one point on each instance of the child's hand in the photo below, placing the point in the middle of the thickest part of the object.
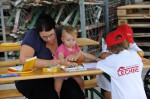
(140, 53)
(71, 58)
(97, 59)
(105, 54)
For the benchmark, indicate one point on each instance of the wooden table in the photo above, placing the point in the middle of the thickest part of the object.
(39, 74)
(80, 41)
(86, 42)
(61, 73)
(7, 49)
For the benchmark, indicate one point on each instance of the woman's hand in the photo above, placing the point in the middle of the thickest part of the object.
(53, 63)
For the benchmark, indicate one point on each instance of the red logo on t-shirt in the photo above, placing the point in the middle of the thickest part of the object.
(128, 70)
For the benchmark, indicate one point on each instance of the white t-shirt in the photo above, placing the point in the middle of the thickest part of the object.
(125, 71)
(104, 83)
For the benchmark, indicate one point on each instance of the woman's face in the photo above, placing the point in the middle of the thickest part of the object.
(48, 36)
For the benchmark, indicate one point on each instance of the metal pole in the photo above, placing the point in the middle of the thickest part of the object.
(107, 15)
(83, 22)
(82, 18)
(3, 27)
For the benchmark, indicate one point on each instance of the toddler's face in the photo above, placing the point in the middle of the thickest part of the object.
(69, 40)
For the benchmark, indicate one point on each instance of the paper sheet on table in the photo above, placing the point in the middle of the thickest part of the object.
(90, 65)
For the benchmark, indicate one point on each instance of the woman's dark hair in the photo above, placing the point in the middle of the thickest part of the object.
(45, 23)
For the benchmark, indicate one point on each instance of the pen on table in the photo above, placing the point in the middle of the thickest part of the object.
(9, 75)
(54, 57)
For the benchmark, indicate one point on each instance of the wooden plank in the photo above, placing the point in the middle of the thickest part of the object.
(90, 83)
(134, 17)
(86, 42)
(80, 41)
(141, 35)
(135, 6)
(135, 21)
(9, 63)
(140, 25)
(7, 49)
(143, 44)
(121, 12)
(9, 93)
(39, 75)
(147, 63)
(137, 10)
(137, 15)
(3, 70)
(142, 22)
(146, 53)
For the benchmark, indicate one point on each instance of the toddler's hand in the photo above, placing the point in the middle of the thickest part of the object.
(73, 64)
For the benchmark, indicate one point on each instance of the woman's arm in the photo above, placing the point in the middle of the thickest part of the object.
(25, 53)
(28, 52)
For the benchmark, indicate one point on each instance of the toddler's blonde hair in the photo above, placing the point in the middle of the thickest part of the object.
(69, 30)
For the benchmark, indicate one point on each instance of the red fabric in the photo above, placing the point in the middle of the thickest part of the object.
(111, 38)
(127, 32)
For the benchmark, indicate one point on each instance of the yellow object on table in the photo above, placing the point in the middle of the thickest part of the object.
(51, 69)
(29, 64)
(10, 44)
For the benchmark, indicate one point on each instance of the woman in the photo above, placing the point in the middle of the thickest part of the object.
(42, 42)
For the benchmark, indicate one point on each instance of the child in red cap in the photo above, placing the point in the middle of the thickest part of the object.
(124, 67)
(127, 32)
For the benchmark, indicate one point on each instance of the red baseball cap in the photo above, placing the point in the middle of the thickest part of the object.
(111, 38)
(127, 32)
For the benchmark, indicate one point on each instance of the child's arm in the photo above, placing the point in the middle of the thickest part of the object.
(90, 56)
(65, 62)
(105, 54)
(136, 48)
